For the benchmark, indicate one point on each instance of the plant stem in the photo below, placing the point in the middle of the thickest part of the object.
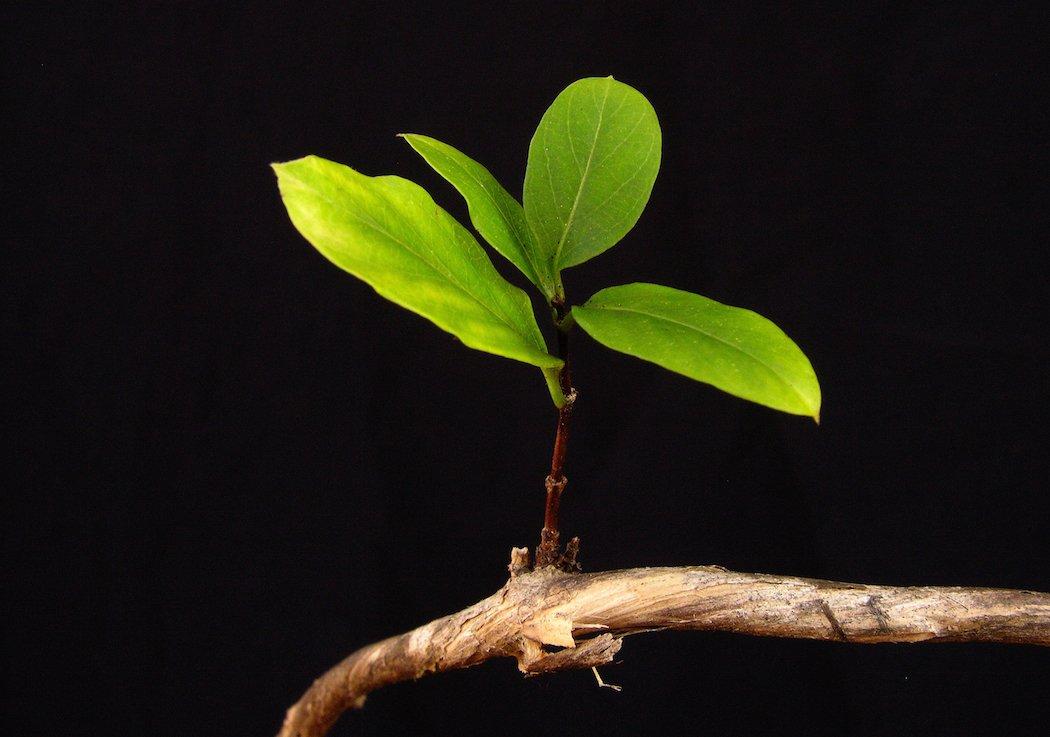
(549, 550)
(556, 480)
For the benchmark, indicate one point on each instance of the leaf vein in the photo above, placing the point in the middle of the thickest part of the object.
(583, 179)
(506, 216)
(443, 271)
(707, 335)
(628, 180)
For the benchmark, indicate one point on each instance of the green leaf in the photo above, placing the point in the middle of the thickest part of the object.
(733, 349)
(494, 212)
(592, 165)
(388, 232)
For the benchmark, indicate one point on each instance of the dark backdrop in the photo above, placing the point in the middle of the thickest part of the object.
(233, 463)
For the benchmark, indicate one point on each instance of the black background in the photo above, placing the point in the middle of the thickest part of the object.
(233, 463)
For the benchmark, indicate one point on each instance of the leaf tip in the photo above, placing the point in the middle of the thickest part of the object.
(816, 418)
(413, 139)
(279, 168)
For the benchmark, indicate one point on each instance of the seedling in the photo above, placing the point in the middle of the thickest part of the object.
(591, 167)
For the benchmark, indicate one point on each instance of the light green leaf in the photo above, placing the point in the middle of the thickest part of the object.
(733, 349)
(592, 165)
(388, 232)
(494, 212)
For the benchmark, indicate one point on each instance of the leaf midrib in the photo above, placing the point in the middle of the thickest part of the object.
(707, 335)
(524, 247)
(583, 178)
(441, 272)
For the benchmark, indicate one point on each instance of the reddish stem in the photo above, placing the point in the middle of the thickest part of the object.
(548, 552)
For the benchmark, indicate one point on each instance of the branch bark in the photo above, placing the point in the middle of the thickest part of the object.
(550, 620)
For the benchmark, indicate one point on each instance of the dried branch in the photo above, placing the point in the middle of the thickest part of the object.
(552, 620)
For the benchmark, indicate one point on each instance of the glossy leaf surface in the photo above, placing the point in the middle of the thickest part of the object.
(733, 349)
(493, 211)
(592, 164)
(388, 232)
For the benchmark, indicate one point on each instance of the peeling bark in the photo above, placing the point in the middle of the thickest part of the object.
(550, 620)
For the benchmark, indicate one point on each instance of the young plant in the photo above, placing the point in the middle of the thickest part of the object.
(591, 167)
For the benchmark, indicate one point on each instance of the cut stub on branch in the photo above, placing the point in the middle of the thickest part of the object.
(551, 620)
